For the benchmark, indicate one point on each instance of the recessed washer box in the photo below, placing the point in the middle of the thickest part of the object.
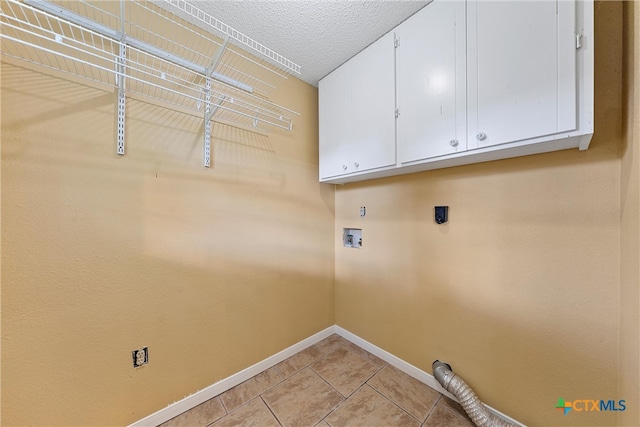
(352, 237)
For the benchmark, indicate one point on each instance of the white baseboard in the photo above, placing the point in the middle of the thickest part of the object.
(409, 369)
(394, 361)
(228, 383)
(221, 386)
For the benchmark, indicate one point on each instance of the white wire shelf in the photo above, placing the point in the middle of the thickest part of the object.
(180, 64)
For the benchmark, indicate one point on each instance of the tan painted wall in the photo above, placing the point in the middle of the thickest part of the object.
(519, 292)
(629, 375)
(214, 270)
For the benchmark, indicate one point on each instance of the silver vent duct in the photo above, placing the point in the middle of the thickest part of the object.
(479, 414)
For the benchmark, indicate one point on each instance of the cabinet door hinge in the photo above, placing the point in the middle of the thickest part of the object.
(396, 42)
(397, 113)
(578, 41)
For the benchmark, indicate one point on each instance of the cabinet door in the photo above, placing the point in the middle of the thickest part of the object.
(431, 82)
(357, 112)
(521, 70)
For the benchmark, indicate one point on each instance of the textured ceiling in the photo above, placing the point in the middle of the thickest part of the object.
(318, 35)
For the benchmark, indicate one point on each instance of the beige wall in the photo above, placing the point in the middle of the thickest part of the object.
(530, 291)
(629, 369)
(213, 270)
(520, 291)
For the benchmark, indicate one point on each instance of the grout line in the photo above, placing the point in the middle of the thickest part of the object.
(378, 369)
(331, 412)
(270, 410)
(219, 397)
(347, 346)
(215, 421)
(457, 414)
(433, 408)
(307, 365)
(344, 401)
(374, 374)
(328, 383)
(282, 379)
(394, 403)
(278, 370)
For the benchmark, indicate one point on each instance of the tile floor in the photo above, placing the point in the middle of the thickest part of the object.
(332, 383)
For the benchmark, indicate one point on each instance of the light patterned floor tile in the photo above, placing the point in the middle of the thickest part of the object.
(344, 370)
(443, 416)
(364, 353)
(366, 407)
(331, 343)
(304, 390)
(202, 415)
(407, 392)
(454, 406)
(302, 400)
(249, 389)
(298, 361)
(253, 414)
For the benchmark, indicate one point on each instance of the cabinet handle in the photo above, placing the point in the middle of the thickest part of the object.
(356, 164)
(481, 136)
(344, 167)
(453, 143)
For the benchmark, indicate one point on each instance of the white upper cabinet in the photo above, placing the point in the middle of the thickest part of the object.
(521, 70)
(467, 82)
(431, 82)
(357, 112)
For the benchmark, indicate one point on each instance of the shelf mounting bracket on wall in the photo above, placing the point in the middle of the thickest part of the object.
(120, 82)
(120, 76)
(210, 110)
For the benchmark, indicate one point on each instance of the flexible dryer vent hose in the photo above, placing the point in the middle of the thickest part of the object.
(455, 385)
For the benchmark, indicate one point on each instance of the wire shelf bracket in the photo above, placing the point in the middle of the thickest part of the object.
(194, 58)
(121, 99)
(120, 75)
(209, 109)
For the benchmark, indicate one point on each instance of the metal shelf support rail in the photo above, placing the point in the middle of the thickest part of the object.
(106, 47)
(210, 110)
(120, 76)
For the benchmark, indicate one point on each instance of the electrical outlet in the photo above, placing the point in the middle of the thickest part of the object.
(140, 357)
